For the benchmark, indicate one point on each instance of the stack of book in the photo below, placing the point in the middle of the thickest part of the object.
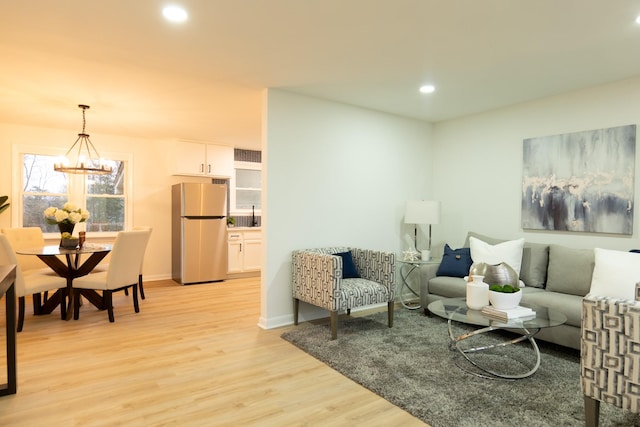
(512, 313)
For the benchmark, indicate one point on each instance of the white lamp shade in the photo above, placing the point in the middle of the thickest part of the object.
(422, 212)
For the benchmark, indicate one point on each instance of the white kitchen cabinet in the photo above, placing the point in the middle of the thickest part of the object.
(252, 260)
(245, 251)
(235, 252)
(196, 158)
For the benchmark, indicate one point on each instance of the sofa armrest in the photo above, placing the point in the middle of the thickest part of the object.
(427, 272)
(316, 278)
(610, 348)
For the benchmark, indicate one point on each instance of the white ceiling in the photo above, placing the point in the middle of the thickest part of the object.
(203, 79)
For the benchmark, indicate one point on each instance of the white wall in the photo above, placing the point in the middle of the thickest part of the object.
(478, 173)
(334, 175)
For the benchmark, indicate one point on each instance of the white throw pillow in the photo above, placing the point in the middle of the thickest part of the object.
(509, 252)
(615, 274)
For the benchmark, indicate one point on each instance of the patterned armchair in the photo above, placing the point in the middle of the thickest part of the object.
(318, 280)
(610, 354)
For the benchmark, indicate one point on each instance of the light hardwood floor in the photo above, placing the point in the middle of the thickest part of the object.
(193, 356)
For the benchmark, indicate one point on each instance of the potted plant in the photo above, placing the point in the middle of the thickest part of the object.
(68, 241)
(504, 297)
(231, 221)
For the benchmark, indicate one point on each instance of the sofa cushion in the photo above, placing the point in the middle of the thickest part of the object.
(535, 260)
(569, 305)
(615, 274)
(509, 252)
(455, 262)
(570, 270)
(535, 257)
(448, 287)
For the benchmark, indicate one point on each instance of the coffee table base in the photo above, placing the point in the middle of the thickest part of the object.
(455, 344)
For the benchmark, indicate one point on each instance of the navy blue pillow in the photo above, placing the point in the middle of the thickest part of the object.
(455, 263)
(349, 270)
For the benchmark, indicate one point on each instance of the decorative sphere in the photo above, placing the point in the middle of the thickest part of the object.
(499, 274)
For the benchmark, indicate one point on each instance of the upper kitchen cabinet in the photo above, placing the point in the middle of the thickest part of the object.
(199, 159)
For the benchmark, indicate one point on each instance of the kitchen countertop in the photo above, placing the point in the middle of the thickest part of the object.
(244, 228)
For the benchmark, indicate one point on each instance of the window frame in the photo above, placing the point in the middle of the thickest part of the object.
(77, 185)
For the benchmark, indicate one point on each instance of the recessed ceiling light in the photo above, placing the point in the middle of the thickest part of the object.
(175, 14)
(427, 89)
(638, 20)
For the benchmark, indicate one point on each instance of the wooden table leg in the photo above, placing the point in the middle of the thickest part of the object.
(12, 384)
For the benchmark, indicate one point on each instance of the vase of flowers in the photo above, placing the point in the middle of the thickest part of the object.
(66, 218)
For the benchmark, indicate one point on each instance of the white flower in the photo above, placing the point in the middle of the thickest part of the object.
(61, 215)
(50, 212)
(75, 217)
(85, 214)
(69, 214)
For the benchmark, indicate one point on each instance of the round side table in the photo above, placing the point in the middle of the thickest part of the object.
(406, 269)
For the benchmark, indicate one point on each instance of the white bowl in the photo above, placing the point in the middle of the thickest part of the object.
(505, 301)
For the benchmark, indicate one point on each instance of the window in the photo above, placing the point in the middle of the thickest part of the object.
(104, 196)
(248, 186)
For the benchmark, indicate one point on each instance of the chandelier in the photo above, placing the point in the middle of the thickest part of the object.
(86, 159)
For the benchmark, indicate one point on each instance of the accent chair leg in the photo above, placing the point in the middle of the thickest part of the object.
(334, 325)
(20, 314)
(296, 305)
(390, 306)
(591, 411)
(348, 311)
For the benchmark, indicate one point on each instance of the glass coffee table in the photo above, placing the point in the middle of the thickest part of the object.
(456, 310)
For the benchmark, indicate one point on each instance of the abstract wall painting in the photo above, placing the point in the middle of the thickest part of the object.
(582, 181)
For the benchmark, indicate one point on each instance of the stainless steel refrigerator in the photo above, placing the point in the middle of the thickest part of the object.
(199, 233)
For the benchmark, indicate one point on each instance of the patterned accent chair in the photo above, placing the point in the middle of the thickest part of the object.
(317, 280)
(610, 354)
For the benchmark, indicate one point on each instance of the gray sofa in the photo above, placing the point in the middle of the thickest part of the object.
(555, 276)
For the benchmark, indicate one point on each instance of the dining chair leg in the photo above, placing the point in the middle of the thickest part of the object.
(108, 302)
(37, 303)
(136, 306)
(140, 286)
(20, 314)
(76, 304)
(63, 304)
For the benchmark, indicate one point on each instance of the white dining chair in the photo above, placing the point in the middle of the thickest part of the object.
(123, 272)
(24, 238)
(105, 266)
(30, 284)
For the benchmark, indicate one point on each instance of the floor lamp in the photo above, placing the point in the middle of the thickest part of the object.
(422, 212)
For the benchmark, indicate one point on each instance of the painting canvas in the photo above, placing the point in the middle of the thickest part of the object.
(582, 181)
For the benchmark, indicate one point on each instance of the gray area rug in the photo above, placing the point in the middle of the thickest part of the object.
(411, 366)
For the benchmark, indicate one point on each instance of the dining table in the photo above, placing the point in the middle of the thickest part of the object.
(70, 264)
